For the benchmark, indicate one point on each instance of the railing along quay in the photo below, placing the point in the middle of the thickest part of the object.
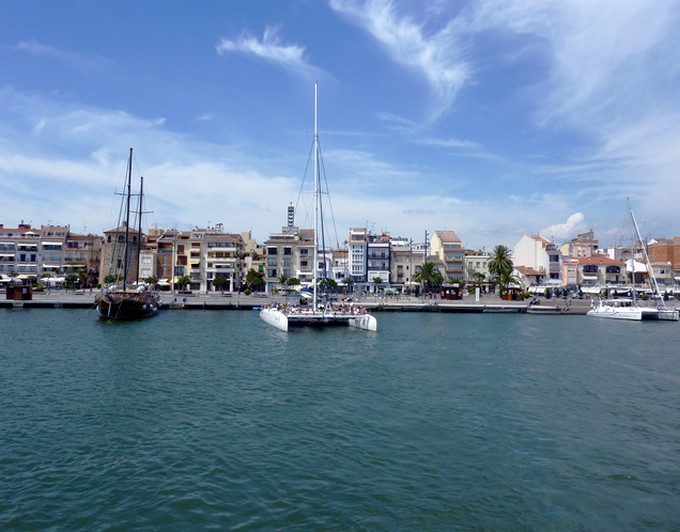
(486, 304)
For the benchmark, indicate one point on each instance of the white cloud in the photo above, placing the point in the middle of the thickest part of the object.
(438, 55)
(559, 232)
(288, 56)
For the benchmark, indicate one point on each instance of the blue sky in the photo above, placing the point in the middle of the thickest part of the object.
(489, 118)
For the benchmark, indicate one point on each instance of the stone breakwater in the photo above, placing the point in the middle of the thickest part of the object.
(486, 304)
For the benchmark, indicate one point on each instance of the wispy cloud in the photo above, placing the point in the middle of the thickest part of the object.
(438, 55)
(66, 57)
(290, 57)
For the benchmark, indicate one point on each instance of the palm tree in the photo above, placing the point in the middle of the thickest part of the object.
(505, 279)
(429, 275)
(500, 261)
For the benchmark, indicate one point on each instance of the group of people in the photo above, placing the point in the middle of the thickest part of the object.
(344, 308)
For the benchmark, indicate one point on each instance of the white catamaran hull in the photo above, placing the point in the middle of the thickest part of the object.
(282, 321)
(633, 313)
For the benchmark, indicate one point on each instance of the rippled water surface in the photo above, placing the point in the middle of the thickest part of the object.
(198, 419)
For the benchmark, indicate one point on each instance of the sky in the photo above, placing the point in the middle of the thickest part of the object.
(490, 118)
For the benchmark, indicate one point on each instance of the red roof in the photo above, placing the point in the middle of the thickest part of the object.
(600, 260)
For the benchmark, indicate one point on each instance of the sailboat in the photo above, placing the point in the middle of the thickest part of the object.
(630, 309)
(321, 313)
(127, 303)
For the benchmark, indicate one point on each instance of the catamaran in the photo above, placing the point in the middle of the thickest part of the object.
(321, 312)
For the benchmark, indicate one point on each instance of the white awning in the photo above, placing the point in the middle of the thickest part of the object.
(51, 243)
(590, 277)
(6, 254)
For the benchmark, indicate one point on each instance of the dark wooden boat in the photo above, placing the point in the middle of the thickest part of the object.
(124, 303)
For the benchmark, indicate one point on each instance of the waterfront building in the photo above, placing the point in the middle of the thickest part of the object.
(160, 247)
(358, 246)
(446, 247)
(584, 245)
(378, 259)
(663, 273)
(19, 248)
(339, 267)
(290, 253)
(406, 258)
(369, 259)
(253, 254)
(202, 254)
(600, 270)
(49, 252)
(529, 276)
(570, 269)
(666, 250)
(476, 262)
(213, 253)
(540, 255)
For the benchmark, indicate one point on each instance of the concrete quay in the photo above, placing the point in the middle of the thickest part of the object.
(486, 304)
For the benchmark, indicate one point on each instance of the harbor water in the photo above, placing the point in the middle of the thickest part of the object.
(212, 419)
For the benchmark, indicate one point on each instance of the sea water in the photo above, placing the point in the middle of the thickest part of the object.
(212, 419)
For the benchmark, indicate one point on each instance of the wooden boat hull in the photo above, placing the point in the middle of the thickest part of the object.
(127, 305)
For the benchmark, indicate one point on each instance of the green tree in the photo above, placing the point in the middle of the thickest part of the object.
(72, 280)
(293, 281)
(429, 275)
(254, 280)
(82, 276)
(500, 261)
(505, 279)
(183, 282)
(327, 285)
(220, 282)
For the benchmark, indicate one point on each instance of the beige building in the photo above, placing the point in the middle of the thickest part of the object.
(447, 247)
(51, 251)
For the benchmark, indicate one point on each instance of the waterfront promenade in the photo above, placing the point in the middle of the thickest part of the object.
(216, 301)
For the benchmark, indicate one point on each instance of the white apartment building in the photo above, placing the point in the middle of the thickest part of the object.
(539, 254)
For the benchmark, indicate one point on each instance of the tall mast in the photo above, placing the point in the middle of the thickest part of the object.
(127, 222)
(650, 272)
(139, 235)
(317, 192)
